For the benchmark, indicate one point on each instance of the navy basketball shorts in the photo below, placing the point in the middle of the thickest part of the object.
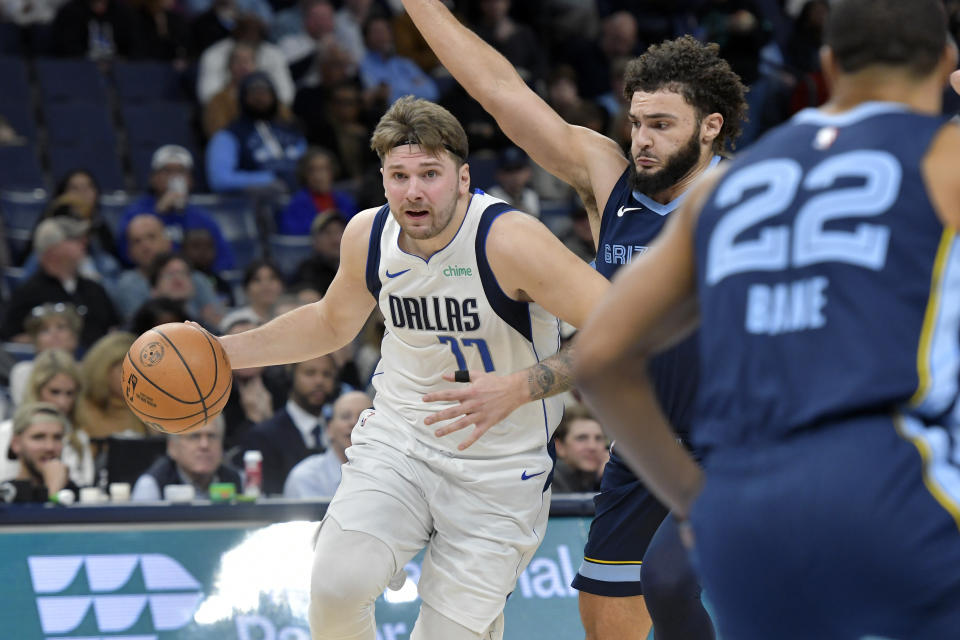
(849, 530)
(626, 517)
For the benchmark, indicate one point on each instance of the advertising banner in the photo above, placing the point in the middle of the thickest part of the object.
(222, 582)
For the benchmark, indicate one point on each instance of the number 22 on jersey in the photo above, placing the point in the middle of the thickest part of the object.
(773, 186)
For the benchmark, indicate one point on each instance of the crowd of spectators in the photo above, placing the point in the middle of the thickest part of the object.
(284, 96)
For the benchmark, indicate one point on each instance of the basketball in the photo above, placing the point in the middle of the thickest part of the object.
(176, 377)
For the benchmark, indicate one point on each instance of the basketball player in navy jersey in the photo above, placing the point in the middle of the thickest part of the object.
(465, 282)
(686, 105)
(823, 269)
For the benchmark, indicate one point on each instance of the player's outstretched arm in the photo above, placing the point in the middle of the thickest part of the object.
(313, 330)
(650, 306)
(586, 160)
(530, 264)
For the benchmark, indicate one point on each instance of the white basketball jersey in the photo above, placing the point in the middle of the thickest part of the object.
(448, 313)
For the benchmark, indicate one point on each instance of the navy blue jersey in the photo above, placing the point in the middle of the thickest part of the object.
(828, 287)
(629, 223)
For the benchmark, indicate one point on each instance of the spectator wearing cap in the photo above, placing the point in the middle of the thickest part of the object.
(316, 172)
(146, 239)
(50, 326)
(60, 247)
(386, 77)
(318, 269)
(513, 181)
(257, 151)
(168, 199)
(99, 263)
(39, 429)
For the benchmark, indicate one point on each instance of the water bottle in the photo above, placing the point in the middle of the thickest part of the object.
(253, 474)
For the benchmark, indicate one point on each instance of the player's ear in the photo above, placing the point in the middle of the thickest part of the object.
(948, 60)
(828, 63)
(464, 178)
(710, 127)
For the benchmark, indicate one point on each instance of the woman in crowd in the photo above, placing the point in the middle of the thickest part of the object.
(262, 285)
(55, 378)
(50, 326)
(101, 410)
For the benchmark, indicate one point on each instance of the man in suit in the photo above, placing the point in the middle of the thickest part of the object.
(296, 430)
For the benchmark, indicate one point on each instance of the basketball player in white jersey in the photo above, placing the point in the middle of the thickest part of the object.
(464, 282)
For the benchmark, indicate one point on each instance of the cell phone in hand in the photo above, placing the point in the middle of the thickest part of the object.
(178, 185)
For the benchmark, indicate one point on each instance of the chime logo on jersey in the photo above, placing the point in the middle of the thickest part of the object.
(434, 313)
(64, 598)
(456, 271)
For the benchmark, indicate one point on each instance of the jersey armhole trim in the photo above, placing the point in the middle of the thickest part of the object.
(373, 251)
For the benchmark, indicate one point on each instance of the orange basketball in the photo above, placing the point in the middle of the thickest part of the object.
(176, 377)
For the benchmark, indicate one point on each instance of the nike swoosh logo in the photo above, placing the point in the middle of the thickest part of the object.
(398, 273)
(623, 210)
(525, 476)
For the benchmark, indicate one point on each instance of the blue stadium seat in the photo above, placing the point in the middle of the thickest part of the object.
(102, 161)
(112, 206)
(153, 125)
(71, 81)
(20, 116)
(289, 251)
(21, 169)
(16, 84)
(10, 41)
(483, 169)
(555, 214)
(147, 82)
(19, 351)
(21, 210)
(237, 220)
(78, 124)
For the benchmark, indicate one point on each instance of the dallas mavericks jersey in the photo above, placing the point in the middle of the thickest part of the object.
(828, 287)
(629, 223)
(447, 313)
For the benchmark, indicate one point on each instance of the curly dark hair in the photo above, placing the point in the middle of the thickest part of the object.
(697, 72)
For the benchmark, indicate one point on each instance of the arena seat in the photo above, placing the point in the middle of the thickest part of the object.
(71, 81)
(146, 82)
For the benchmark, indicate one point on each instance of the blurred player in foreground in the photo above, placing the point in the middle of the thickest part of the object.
(822, 267)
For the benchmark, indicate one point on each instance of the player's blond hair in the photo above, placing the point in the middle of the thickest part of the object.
(421, 122)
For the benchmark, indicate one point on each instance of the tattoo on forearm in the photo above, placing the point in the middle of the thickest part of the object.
(552, 376)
